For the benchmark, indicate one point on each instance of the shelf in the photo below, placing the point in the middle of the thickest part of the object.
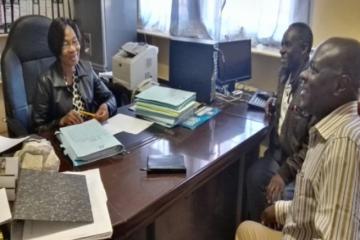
(266, 51)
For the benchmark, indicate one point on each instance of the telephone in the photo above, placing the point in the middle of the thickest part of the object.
(259, 99)
(134, 48)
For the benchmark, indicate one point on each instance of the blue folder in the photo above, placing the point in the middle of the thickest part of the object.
(88, 142)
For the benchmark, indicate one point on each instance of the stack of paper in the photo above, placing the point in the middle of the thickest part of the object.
(9, 167)
(87, 142)
(5, 214)
(100, 228)
(165, 106)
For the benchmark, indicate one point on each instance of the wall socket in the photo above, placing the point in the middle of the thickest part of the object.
(87, 43)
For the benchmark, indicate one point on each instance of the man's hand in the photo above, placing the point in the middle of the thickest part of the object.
(102, 114)
(270, 107)
(268, 218)
(70, 118)
(275, 188)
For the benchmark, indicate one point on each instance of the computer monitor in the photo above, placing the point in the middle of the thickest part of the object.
(192, 64)
(234, 62)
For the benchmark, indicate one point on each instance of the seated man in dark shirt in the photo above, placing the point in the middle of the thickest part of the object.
(267, 177)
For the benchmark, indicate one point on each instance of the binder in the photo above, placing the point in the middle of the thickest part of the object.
(166, 97)
(88, 142)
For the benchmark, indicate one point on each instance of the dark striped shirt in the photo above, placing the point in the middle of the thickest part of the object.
(327, 193)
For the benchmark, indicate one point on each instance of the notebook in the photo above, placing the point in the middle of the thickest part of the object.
(166, 163)
(88, 142)
(52, 196)
(100, 228)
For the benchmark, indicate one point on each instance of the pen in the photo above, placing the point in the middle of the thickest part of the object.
(87, 114)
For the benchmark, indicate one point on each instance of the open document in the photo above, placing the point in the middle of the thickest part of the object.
(7, 143)
(124, 123)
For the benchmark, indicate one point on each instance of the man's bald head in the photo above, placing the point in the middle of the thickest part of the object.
(333, 77)
(344, 54)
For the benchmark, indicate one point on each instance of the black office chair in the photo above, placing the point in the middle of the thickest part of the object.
(25, 57)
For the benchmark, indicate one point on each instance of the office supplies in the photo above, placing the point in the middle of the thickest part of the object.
(165, 163)
(6, 143)
(200, 117)
(5, 214)
(100, 228)
(88, 142)
(172, 98)
(51, 196)
(134, 63)
(125, 123)
(157, 109)
(200, 65)
(165, 106)
(89, 114)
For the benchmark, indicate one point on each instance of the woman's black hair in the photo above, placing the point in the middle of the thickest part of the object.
(56, 34)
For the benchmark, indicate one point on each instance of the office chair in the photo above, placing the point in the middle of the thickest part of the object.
(25, 57)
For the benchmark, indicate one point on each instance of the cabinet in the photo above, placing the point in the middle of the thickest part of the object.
(106, 25)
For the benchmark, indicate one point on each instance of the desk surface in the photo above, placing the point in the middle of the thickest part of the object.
(135, 198)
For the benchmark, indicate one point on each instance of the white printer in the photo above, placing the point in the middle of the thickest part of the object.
(134, 63)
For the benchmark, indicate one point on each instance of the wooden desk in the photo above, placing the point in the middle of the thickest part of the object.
(204, 203)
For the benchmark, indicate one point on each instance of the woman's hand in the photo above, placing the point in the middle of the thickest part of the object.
(102, 114)
(70, 118)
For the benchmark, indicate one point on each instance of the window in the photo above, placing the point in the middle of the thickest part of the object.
(264, 21)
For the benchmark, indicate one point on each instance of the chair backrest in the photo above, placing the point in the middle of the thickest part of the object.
(25, 57)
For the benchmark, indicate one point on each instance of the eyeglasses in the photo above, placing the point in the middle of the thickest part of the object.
(68, 44)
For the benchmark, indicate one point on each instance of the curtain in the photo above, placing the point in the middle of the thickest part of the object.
(264, 21)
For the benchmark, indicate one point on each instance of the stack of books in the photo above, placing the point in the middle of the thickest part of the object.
(165, 106)
(9, 167)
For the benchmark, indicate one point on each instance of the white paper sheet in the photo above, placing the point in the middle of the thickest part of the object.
(100, 229)
(125, 123)
(5, 214)
(6, 143)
